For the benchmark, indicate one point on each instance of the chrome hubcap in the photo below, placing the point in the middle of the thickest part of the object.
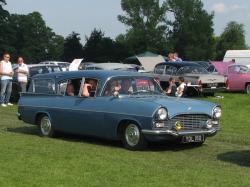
(132, 134)
(45, 126)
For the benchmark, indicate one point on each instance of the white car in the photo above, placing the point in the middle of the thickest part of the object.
(63, 65)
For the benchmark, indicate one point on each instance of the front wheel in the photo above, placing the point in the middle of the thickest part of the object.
(248, 89)
(132, 138)
(45, 127)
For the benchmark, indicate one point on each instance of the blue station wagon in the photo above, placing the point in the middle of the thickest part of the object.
(119, 105)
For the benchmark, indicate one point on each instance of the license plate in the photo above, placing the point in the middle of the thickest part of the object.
(190, 139)
(212, 85)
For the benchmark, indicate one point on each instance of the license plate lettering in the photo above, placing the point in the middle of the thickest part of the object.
(212, 85)
(190, 139)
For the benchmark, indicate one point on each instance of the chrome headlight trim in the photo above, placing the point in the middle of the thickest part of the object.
(217, 112)
(161, 114)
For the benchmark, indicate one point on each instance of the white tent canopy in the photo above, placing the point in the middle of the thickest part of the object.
(240, 56)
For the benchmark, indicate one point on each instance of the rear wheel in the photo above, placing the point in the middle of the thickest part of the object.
(248, 89)
(45, 127)
(132, 137)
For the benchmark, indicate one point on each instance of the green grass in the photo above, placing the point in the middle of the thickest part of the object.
(224, 160)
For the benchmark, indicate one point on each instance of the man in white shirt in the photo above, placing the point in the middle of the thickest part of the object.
(6, 74)
(181, 88)
(22, 74)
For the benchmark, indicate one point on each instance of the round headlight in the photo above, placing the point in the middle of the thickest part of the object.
(217, 112)
(162, 114)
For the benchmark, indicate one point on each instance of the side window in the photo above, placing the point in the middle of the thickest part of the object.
(35, 70)
(243, 69)
(159, 69)
(170, 70)
(70, 87)
(44, 86)
(233, 69)
(89, 88)
(90, 68)
(121, 85)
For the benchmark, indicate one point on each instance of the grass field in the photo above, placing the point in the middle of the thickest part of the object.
(224, 160)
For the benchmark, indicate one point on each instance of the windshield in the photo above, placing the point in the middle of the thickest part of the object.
(192, 70)
(132, 86)
(43, 69)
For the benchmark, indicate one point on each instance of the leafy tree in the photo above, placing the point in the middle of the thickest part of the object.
(72, 47)
(3, 13)
(233, 37)
(147, 25)
(192, 30)
(99, 48)
(55, 47)
(33, 39)
(5, 30)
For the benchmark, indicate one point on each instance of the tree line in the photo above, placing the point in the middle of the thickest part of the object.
(173, 25)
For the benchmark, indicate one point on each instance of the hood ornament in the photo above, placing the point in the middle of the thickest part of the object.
(189, 108)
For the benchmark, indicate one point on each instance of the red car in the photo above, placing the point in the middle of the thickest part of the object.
(238, 77)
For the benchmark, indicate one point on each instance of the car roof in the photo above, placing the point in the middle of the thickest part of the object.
(42, 65)
(110, 66)
(53, 62)
(99, 74)
(180, 64)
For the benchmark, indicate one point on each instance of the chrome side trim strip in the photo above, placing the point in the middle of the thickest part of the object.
(83, 110)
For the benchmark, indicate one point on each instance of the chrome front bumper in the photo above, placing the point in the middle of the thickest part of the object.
(182, 133)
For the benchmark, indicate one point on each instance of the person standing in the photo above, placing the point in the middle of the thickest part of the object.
(171, 90)
(6, 74)
(22, 74)
(177, 58)
(181, 88)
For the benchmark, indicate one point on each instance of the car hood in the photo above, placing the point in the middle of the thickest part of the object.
(177, 105)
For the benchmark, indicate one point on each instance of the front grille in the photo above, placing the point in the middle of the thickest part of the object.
(190, 122)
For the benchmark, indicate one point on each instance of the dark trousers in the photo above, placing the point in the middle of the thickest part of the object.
(22, 86)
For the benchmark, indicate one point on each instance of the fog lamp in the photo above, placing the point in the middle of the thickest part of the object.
(178, 126)
(159, 125)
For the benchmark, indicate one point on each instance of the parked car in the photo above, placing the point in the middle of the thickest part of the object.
(63, 65)
(135, 113)
(199, 80)
(111, 66)
(208, 65)
(238, 77)
(221, 67)
(33, 70)
(83, 65)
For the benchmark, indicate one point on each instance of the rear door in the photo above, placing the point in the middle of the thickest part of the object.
(77, 114)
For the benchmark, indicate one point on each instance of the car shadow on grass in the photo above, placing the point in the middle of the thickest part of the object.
(171, 146)
(153, 146)
(31, 130)
(241, 158)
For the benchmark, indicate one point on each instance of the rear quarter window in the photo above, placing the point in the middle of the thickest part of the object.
(42, 86)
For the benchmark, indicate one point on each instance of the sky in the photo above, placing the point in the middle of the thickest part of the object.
(82, 16)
